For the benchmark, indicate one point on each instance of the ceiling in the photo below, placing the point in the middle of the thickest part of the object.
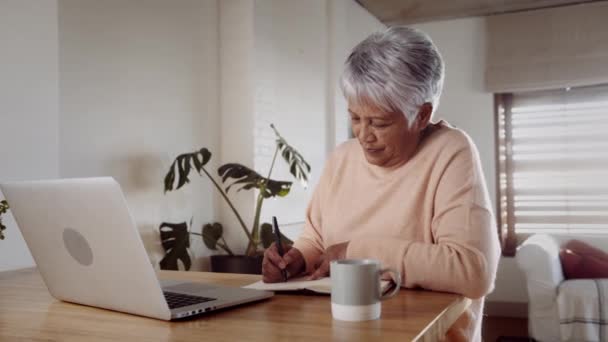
(396, 12)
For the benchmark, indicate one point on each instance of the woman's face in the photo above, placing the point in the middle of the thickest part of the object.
(385, 137)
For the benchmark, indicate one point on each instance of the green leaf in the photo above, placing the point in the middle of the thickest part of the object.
(248, 179)
(184, 170)
(3, 209)
(267, 236)
(201, 158)
(184, 163)
(298, 167)
(175, 240)
(211, 234)
(169, 179)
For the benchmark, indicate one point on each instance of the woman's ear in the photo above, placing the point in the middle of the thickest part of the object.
(424, 115)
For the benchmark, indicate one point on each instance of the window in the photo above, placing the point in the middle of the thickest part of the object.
(552, 162)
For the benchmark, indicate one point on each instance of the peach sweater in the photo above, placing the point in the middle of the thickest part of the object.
(429, 218)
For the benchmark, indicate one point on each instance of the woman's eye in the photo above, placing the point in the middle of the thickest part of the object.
(381, 125)
(355, 119)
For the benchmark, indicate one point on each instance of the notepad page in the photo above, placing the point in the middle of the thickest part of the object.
(322, 285)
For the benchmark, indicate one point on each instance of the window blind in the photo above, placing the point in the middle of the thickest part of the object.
(553, 161)
(548, 48)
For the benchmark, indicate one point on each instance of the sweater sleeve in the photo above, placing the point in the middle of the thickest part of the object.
(310, 241)
(464, 255)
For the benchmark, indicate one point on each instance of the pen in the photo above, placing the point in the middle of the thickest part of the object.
(277, 237)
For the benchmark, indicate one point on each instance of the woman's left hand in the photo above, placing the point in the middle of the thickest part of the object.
(334, 252)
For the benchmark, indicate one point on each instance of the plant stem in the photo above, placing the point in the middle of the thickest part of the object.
(276, 151)
(256, 223)
(258, 209)
(223, 245)
(230, 204)
(225, 248)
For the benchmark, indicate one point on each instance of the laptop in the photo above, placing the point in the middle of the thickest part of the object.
(88, 251)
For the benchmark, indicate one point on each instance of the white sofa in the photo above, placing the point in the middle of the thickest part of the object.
(562, 310)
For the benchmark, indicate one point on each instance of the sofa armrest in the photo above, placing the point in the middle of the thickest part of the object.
(538, 258)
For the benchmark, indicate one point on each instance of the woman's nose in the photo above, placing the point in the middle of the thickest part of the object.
(366, 134)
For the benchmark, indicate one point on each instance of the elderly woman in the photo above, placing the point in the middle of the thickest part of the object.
(406, 191)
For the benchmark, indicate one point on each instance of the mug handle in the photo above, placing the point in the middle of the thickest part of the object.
(396, 276)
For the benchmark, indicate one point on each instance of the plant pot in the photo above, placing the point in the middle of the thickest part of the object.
(237, 264)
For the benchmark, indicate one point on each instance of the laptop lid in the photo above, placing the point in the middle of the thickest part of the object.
(86, 244)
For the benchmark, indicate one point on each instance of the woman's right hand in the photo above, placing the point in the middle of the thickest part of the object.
(292, 262)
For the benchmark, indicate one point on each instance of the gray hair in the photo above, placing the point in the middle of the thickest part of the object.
(397, 70)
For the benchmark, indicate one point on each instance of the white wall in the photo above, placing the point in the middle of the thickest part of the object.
(466, 105)
(28, 106)
(236, 50)
(291, 67)
(139, 85)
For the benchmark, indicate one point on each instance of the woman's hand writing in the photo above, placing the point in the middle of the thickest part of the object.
(292, 262)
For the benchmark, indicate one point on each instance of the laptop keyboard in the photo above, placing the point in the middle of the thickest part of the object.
(178, 300)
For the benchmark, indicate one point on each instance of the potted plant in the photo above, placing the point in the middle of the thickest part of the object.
(3, 209)
(175, 237)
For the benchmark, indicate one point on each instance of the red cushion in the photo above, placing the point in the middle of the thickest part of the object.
(583, 261)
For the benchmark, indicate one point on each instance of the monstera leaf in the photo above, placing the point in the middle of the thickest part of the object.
(298, 167)
(247, 179)
(183, 164)
(176, 241)
(211, 234)
(213, 238)
(267, 236)
(3, 209)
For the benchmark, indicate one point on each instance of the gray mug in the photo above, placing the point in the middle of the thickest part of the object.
(356, 293)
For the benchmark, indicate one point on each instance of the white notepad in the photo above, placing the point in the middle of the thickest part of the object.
(321, 286)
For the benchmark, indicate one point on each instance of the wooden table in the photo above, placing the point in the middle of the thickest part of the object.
(28, 312)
